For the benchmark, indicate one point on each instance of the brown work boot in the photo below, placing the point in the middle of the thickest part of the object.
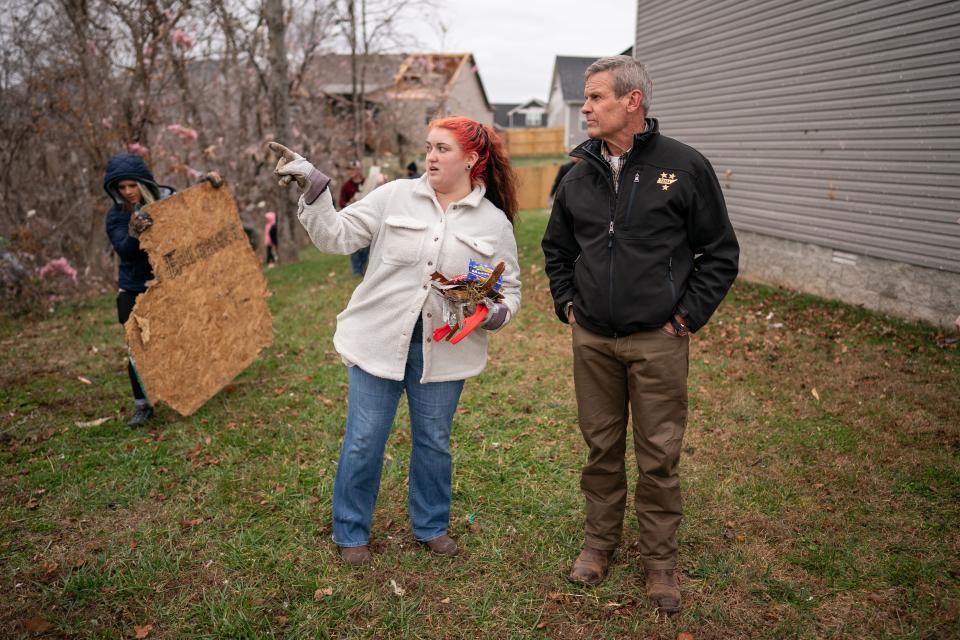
(355, 556)
(590, 567)
(443, 546)
(663, 589)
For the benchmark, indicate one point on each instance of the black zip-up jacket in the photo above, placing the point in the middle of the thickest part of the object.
(660, 244)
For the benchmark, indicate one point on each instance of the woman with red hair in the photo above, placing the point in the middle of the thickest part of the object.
(461, 210)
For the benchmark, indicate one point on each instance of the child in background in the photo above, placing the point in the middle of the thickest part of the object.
(270, 239)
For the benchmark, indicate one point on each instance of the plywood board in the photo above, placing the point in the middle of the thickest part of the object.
(204, 318)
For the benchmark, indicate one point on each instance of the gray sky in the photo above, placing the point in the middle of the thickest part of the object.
(515, 41)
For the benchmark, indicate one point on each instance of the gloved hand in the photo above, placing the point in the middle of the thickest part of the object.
(140, 221)
(292, 166)
(213, 177)
(496, 317)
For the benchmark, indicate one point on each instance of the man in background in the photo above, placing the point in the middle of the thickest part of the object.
(348, 193)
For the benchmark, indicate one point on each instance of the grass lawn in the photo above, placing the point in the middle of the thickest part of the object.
(821, 477)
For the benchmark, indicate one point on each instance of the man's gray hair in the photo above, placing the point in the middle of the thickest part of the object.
(628, 75)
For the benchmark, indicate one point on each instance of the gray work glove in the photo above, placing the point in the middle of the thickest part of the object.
(292, 167)
(496, 316)
(140, 221)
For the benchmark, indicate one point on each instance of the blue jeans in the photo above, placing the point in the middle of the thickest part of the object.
(371, 408)
(358, 260)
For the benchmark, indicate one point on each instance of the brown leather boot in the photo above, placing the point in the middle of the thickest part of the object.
(590, 567)
(355, 556)
(443, 546)
(663, 590)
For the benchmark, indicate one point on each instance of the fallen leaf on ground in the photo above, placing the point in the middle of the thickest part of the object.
(79, 563)
(397, 589)
(189, 523)
(84, 380)
(542, 625)
(32, 504)
(92, 423)
(816, 395)
(312, 500)
(37, 625)
(281, 621)
(683, 635)
(445, 601)
(556, 595)
(142, 632)
(319, 594)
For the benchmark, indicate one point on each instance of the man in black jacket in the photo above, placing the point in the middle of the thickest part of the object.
(640, 252)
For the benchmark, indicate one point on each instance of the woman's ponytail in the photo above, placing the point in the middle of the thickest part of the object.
(500, 179)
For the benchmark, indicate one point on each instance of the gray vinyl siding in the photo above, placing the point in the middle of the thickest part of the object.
(833, 123)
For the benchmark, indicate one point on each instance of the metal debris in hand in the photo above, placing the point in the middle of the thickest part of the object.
(465, 302)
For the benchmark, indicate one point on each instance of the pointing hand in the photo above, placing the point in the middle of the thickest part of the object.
(291, 167)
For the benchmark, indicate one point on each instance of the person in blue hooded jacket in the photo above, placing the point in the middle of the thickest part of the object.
(131, 185)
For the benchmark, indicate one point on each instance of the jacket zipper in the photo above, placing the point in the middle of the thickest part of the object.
(611, 231)
(633, 192)
(673, 288)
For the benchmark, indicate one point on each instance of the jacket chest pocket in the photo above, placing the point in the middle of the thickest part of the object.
(478, 246)
(652, 200)
(402, 240)
(457, 255)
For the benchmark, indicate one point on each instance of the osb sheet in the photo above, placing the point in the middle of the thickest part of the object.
(204, 319)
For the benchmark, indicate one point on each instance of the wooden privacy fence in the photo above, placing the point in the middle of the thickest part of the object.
(533, 189)
(539, 141)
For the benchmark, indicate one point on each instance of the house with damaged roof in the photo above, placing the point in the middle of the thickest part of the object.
(402, 93)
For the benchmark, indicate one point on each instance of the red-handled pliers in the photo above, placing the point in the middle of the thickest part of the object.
(469, 324)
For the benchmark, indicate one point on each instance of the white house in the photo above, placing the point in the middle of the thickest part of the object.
(566, 98)
(532, 113)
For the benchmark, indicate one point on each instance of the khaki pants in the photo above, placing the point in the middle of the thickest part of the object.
(644, 374)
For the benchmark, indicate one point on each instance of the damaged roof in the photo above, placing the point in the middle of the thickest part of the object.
(432, 75)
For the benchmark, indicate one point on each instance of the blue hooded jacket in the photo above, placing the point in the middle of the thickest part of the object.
(134, 267)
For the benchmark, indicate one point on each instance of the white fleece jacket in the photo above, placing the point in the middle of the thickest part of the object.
(410, 237)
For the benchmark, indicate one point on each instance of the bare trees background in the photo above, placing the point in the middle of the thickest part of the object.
(191, 85)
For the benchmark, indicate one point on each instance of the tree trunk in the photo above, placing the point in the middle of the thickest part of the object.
(78, 13)
(280, 114)
(355, 77)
